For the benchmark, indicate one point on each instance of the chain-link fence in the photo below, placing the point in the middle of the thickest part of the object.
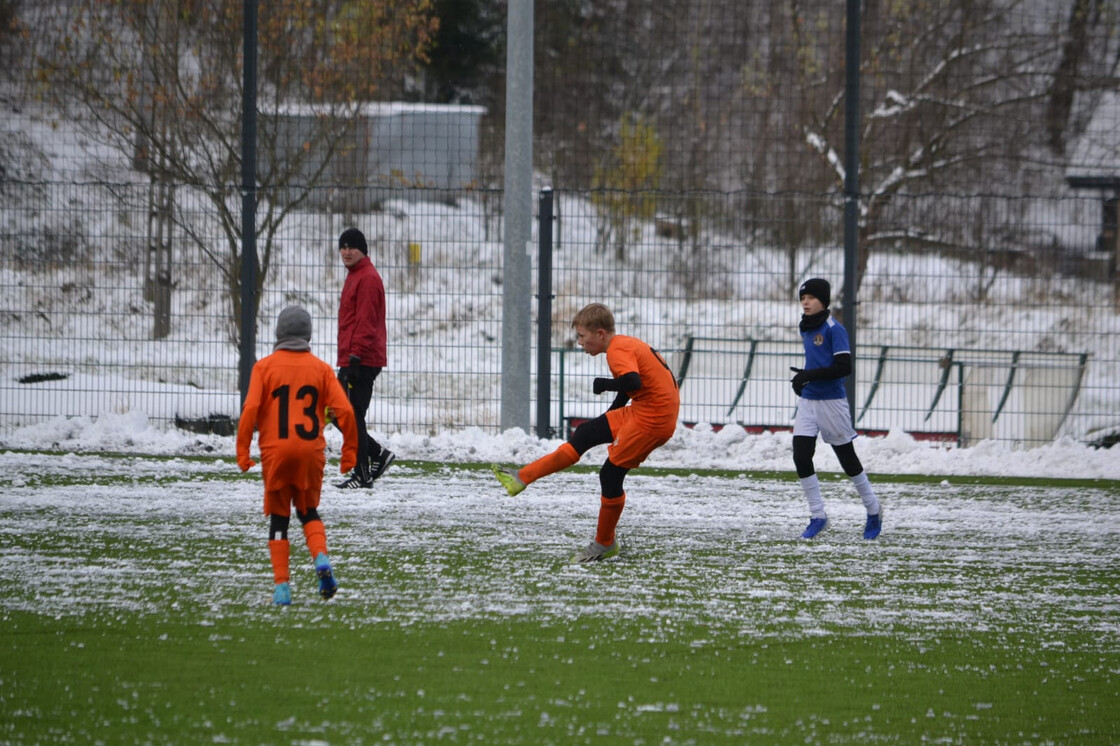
(696, 152)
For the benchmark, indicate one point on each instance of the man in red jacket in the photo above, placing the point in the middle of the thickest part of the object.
(361, 350)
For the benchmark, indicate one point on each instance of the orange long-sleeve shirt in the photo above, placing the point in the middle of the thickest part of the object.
(657, 403)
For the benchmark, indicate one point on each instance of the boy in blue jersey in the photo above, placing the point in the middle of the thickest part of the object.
(824, 409)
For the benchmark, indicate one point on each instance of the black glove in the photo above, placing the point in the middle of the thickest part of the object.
(801, 378)
(627, 382)
(351, 373)
(841, 366)
(599, 385)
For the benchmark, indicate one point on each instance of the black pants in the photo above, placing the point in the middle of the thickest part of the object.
(594, 433)
(804, 447)
(360, 392)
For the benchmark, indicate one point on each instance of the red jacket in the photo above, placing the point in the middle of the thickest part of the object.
(361, 317)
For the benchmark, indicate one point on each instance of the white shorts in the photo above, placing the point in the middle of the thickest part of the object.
(829, 418)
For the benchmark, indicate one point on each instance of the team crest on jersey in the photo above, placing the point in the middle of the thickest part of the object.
(818, 340)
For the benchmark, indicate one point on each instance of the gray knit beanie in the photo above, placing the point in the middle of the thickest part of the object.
(293, 329)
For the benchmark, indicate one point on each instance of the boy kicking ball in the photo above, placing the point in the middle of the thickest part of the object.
(824, 410)
(642, 417)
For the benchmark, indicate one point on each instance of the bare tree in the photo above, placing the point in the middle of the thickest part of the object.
(1085, 64)
(959, 96)
(952, 93)
(162, 81)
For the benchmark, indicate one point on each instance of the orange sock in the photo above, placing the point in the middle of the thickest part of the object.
(610, 510)
(316, 537)
(560, 459)
(278, 552)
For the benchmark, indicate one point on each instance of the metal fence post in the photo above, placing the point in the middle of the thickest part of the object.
(517, 327)
(544, 313)
(851, 195)
(561, 421)
(248, 320)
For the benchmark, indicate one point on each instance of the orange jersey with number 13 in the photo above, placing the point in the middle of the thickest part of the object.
(288, 394)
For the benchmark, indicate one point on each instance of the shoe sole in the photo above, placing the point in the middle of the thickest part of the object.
(327, 584)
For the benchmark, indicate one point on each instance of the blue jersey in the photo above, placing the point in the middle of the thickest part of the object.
(821, 345)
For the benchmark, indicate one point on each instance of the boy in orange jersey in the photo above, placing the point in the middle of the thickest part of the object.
(289, 391)
(642, 379)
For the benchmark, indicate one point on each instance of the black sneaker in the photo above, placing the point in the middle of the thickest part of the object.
(378, 465)
(354, 482)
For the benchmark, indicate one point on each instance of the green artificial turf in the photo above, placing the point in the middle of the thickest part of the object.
(278, 680)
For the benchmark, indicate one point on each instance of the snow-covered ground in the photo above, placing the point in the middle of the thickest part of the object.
(697, 448)
(137, 536)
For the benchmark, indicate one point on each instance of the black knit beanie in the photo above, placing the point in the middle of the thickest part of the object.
(352, 238)
(818, 288)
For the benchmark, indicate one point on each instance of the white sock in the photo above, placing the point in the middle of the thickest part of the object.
(866, 493)
(812, 488)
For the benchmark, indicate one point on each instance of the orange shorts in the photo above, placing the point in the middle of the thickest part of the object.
(634, 439)
(280, 501)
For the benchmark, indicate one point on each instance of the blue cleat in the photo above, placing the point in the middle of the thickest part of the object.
(873, 526)
(282, 595)
(816, 525)
(328, 586)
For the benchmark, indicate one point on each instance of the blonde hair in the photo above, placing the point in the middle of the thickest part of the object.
(593, 317)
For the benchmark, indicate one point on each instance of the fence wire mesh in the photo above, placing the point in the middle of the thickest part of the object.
(696, 153)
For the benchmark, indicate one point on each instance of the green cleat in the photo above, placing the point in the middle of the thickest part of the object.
(595, 552)
(509, 480)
